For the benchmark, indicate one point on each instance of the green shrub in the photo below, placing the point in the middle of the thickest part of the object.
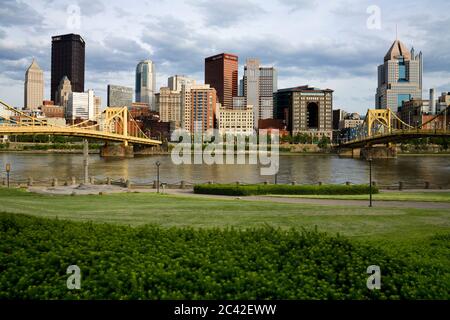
(282, 189)
(119, 262)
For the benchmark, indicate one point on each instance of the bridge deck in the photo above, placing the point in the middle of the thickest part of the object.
(78, 132)
(395, 136)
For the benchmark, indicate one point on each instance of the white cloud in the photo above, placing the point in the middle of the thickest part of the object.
(310, 42)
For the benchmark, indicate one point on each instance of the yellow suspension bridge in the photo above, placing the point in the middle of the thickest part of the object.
(382, 128)
(112, 125)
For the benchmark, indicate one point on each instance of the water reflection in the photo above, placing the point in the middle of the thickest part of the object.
(300, 168)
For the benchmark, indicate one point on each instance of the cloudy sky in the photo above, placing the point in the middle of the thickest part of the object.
(330, 44)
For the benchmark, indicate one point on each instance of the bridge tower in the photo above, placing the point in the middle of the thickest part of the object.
(380, 116)
(116, 121)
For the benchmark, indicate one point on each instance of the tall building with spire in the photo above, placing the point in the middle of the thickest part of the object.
(63, 92)
(34, 87)
(399, 77)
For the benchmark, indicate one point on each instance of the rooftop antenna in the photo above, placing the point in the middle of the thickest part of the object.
(396, 31)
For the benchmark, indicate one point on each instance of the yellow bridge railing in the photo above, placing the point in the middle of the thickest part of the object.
(113, 124)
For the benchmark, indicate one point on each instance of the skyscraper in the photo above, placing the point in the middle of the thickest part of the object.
(168, 104)
(146, 83)
(399, 77)
(221, 73)
(251, 87)
(68, 59)
(198, 107)
(268, 85)
(34, 87)
(63, 92)
(119, 96)
(258, 86)
(306, 110)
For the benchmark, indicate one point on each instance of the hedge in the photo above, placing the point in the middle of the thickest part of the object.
(149, 262)
(282, 189)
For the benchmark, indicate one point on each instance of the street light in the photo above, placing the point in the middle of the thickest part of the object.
(157, 175)
(370, 182)
(8, 170)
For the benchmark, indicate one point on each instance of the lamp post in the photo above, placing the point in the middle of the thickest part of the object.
(409, 118)
(445, 119)
(157, 175)
(370, 182)
(86, 161)
(8, 170)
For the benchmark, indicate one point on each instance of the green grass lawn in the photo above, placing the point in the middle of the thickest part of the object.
(386, 196)
(412, 245)
(178, 211)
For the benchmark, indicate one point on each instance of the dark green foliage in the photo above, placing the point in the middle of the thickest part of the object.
(324, 142)
(303, 138)
(423, 142)
(283, 189)
(155, 263)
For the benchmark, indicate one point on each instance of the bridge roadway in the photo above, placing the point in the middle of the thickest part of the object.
(74, 132)
(395, 136)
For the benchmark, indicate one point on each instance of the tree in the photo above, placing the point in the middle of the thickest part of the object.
(324, 142)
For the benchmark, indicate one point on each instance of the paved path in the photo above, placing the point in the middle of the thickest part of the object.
(324, 202)
(88, 189)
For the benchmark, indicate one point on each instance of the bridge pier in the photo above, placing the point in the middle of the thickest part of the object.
(369, 152)
(147, 150)
(110, 150)
(350, 152)
(379, 152)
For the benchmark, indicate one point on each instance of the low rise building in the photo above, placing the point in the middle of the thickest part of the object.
(350, 123)
(140, 109)
(52, 111)
(412, 111)
(338, 115)
(416, 113)
(268, 126)
(81, 105)
(351, 120)
(235, 121)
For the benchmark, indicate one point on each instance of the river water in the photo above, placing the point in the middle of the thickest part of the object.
(304, 169)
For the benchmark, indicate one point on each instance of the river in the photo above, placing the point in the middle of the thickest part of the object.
(304, 169)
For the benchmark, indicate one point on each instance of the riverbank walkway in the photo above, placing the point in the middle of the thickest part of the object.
(108, 189)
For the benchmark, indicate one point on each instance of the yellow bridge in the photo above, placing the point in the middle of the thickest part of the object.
(382, 126)
(113, 124)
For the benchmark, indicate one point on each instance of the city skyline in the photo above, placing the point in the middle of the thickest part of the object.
(346, 63)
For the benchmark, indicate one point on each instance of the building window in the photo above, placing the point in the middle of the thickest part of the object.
(402, 70)
(401, 98)
(313, 115)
